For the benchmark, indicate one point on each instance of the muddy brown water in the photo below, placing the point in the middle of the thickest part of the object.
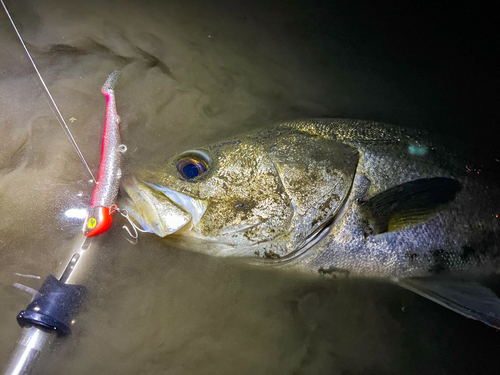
(192, 73)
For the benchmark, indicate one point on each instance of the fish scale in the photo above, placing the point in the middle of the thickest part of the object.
(391, 164)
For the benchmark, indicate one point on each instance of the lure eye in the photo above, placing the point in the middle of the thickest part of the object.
(192, 165)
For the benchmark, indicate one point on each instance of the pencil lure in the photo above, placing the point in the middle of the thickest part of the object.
(103, 205)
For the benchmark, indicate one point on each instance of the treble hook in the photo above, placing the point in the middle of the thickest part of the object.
(135, 228)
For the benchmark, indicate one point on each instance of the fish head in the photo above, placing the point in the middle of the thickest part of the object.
(261, 194)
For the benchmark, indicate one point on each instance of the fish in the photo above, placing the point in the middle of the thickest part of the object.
(335, 198)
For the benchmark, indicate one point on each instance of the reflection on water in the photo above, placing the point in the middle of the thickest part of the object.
(194, 73)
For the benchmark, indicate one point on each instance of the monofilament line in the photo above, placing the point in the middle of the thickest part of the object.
(59, 116)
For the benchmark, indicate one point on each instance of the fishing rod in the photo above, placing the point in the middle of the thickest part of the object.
(53, 308)
(58, 116)
(57, 112)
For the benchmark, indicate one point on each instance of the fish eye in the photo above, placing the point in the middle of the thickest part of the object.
(192, 164)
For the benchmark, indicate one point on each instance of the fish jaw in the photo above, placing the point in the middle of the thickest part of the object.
(195, 207)
(153, 208)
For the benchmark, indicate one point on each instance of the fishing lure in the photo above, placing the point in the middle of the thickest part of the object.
(103, 203)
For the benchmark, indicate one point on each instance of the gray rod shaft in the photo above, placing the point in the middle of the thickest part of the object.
(27, 353)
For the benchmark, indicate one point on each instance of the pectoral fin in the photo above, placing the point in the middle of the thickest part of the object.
(468, 298)
(409, 204)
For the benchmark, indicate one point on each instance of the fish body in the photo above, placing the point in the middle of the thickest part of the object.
(460, 235)
(104, 196)
(334, 197)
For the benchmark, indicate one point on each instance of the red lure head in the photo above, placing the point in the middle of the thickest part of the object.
(98, 221)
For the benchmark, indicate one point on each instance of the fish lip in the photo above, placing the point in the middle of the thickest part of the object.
(156, 213)
(195, 207)
(152, 209)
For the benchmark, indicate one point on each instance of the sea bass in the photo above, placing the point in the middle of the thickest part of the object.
(335, 197)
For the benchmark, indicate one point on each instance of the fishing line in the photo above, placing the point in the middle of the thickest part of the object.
(59, 118)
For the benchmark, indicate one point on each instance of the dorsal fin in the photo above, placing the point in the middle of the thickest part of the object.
(409, 204)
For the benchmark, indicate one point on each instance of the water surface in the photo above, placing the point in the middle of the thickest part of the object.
(192, 73)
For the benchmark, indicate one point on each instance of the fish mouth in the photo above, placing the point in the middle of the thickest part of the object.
(158, 209)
